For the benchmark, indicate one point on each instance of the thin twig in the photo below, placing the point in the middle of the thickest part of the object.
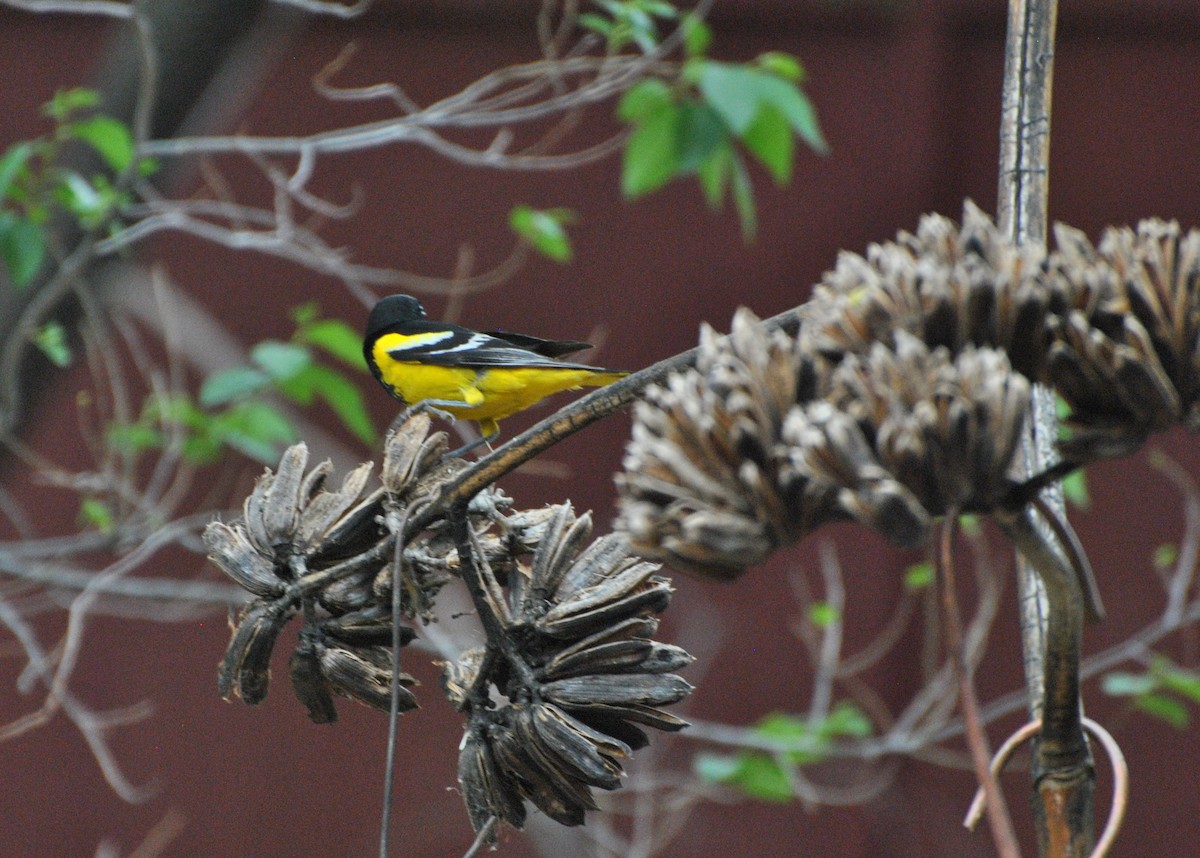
(999, 820)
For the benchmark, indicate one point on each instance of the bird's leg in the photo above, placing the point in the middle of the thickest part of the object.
(429, 405)
(491, 430)
(436, 406)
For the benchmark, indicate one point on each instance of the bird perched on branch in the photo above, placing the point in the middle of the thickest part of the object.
(480, 376)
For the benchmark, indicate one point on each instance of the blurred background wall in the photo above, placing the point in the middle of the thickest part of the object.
(908, 97)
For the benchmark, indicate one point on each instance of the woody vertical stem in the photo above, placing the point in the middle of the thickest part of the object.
(1051, 627)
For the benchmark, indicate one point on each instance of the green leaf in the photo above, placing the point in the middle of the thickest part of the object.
(179, 410)
(822, 614)
(769, 139)
(782, 725)
(306, 313)
(716, 768)
(1075, 490)
(51, 338)
(640, 27)
(760, 776)
(108, 136)
(918, 576)
(204, 449)
(231, 384)
(701, 133)
(651, 153)
(743, 198)
(846, 719)
(346, 400)
(1164, 708)
(68, 101)
(280, 360)
(22, 248)
(796, 108)
(714, 174)
(134, 437)
(255, 429)
(732, 90)
(794, 730)
(1119, 683)
(737, 93)
(647, 97)
(1185, 683)
(596, 23)
(11, 165)
(697, 36)
(544, 230)
(80, 197)
(659, 8)
(969, 522)
(338, 392)
(335, 337)
(95, 513)
(1166, 555)
(781, 64)
(756, 774)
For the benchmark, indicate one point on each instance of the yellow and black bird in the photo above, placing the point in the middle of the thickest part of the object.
(480, 376)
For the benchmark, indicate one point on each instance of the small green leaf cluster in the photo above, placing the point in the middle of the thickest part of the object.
(629, 22)
(701, 123)
(769, 776)
(1163, 690)
(33, 184)
(230, 411)
(544, 230)
(253, 427)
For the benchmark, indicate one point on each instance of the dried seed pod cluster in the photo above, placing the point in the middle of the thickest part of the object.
(947, 285)
(906, 432)
(570, 625)
(1126, 351)
(302, 548)
(578, 669)
(707, 483)
(902, 397)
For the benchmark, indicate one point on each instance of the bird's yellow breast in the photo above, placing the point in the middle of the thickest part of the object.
(486, 394)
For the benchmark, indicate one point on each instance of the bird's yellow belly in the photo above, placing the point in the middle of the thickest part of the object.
(491, 394)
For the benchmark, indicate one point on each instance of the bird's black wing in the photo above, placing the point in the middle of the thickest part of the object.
(545, 348)
(441, 344)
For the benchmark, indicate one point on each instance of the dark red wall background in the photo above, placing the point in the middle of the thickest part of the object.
(908, 96)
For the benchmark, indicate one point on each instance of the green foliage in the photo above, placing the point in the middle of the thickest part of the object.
(96, 514)
(229, 410)
(1163, 691)
(918, 576)
(51, 338)
(822, 614)
(109, 137)
(1166, 556)
(629, 22)
(66, 103)
(702, 124)
(544, 229)
(22, 248)
(1075, 489)
(252, 427)
(768, 776)
(332, 336)
(33, 186)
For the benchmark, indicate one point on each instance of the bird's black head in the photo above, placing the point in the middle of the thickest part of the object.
(393, 310)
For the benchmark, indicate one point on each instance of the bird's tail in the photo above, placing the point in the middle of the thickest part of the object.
(600, 379)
